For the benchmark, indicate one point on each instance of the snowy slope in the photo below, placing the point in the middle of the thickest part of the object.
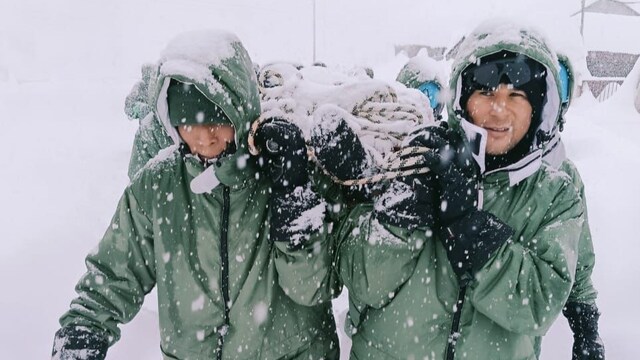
(66, 66)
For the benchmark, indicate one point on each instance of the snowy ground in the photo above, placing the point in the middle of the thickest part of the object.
(65, 149)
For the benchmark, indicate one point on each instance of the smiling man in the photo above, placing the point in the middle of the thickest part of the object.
(477, 257)
(504, 94)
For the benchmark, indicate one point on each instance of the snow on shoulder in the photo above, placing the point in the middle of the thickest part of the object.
(164, 157)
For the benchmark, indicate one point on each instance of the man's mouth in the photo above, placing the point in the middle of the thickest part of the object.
(497, 129)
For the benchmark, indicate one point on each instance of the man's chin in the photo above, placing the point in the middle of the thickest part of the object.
(497, 150)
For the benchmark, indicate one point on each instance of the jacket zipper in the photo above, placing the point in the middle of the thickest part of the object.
(454, 334)
(224, 277)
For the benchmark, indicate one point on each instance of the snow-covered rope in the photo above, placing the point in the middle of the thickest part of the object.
(408, 159)
(404, 162)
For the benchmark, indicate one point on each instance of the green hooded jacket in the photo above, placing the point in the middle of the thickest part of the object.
(224, 290)
(554, 153)
(420, 69)
(403, 291)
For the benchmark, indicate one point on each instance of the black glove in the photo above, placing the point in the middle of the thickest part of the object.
(338, 149)
(340, 153)
(471, 240)
(75, 343)
(409, 202)
(583, 321)
(295, 215)
(470, 236)
(284, 160)
(457, 173)
(283, 154)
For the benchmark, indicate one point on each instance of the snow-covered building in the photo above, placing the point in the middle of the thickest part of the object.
(611, 50)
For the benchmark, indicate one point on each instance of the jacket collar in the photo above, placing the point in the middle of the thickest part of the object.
(516, 172)
(236, 171)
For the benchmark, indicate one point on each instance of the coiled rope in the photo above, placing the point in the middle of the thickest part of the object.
(404, 162)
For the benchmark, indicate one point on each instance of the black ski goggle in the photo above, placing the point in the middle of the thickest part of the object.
(516, 71)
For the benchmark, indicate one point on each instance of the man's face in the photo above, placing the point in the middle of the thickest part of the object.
(504, 112)
(208, 140)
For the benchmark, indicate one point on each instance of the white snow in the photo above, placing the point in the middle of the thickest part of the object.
(67, 65)
(198, 304)
(208, 48)
(260, 312)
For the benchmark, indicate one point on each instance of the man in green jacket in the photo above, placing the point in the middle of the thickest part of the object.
(240, 257)
(581, 309)
(477, 258)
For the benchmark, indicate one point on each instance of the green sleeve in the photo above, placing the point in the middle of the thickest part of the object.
(120, 272)
(525, 285)
(374, 260)
(306, 274)
(583, 290)
(149, 140)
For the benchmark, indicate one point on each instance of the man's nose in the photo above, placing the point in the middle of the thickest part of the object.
(498, 107)
(207, 138)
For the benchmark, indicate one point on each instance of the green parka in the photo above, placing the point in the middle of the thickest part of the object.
(403, 291)
(221, 283)
(418, 70)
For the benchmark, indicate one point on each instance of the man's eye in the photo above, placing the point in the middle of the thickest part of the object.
(486, 92)
(518, 94)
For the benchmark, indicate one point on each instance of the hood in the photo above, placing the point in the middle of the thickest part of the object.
(218, 65)
(420, 69)
(492, 37)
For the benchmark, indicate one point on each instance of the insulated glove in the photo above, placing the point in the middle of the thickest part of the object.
(283, 153)
(296, 210)
(583, 321)
(470, 236)
(340, 153)
(456, 171)
(295, 215)
(78, 343)
(409, 202)
(336, 146)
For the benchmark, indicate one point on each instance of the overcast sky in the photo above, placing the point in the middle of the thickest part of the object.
(50, 39)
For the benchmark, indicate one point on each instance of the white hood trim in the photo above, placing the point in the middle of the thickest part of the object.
(555, 153)
(522, 169)
(207, 180)
(552, 109)
(518, 171)
(477, 137)
(162, 109)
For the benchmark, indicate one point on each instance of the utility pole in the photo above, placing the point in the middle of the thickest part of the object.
(581, 20)
(314, 29)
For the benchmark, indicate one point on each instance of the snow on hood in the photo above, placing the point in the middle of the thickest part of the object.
(420, 69)
(217, 63)
(497, 35)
